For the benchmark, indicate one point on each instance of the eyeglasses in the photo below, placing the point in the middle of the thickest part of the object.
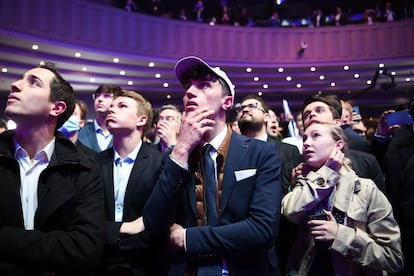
(103, 94)
(250, 107)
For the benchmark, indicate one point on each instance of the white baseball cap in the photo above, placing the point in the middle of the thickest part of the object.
(184, 64)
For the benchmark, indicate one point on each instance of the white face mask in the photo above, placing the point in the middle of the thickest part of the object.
(70, 126)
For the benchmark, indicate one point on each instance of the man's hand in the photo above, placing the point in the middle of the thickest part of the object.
(132, 227)
(167, 131)
(177, 236)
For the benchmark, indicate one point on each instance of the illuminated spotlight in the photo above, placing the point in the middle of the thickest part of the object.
(346, 67)
(369, 82)
(122, 73)
(321, 77)
(130, 83)
(333, 84)
(11, 124)
(265, 86)
(248, 69)
(288, 78)
(4, 70)
(280, 70)
(151, 64)
(77, 54)
(165, 84)
(393, 73)
(92, 79)
(158, 75)
(356, 76)
(168, 96)
(299, 85)
(313, 69)
(256, 78)
(319, 92)
(381, 65)
(84, 69)
(260, 93)
(116, 60)
(35, 47)
(407, 79)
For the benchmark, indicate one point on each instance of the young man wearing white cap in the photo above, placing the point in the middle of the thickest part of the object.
(236, 236)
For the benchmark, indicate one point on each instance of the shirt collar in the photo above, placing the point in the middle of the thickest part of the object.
(218, 140)
(48, 150)
(131, 156)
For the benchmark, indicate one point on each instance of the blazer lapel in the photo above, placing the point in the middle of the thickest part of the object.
(108, 183)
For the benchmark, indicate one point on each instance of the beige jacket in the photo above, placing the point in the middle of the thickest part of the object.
(369, 241)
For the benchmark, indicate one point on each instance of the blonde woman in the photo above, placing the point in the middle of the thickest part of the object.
(346, 224)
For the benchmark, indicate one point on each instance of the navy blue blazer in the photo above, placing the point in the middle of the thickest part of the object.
(251, 196)
(87, 136)
(138, 250)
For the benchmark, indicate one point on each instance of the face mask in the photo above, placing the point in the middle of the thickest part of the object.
(70, 126)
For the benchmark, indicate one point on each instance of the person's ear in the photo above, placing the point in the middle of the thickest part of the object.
(340, 144)
(227, 102)
(58, 108)
(142, 120)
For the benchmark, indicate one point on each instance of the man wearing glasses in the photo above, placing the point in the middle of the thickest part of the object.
(94, 134)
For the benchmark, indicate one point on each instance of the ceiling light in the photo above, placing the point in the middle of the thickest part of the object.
(346, 67)
(130, 83)
(84, 69)
(280, 69)
(299, 85)
(321, 77)
(165, 84)
(256, 78)
(260, 93)
(92, 79)
(116, 60)
(248, 69)
(393, 73)
(158, 75)
(122, 73)
(369, 82)
(356, 75)
(381, 65)
(77, 54)
(288, 78)
(35, 47)
(168, 96)
(407, 79)
(151, 64)
(4, 70)
(333, 84)
(265, 86)
(313, 69)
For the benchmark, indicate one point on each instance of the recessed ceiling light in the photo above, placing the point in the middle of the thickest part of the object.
(248, 69)
(35, 47)
(299, 85)
(122, 73)
(165, 84)
(280, 69)
(407, 79)
(321, 77)
(168, 96)
(393, 73)
(333, 84)
(151, 64)
(346, 67)
(319, 92)
(130, 83)
(369, 82)
(381, 65)
(256, 78)
(158, 75)
(356, 75)
(313, 69)
(84, 69)
(260, 93)
(265, 86)
(92, 79)
(288, 78)
(4, 70)
(77, 54)
(116, 60)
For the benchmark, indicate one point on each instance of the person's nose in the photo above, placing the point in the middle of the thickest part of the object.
(190, 92)
(16, 86)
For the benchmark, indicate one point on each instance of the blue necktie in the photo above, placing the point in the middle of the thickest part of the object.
(210, 267)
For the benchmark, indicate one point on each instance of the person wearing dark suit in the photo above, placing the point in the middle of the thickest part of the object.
(52, 211)
(328, 109)
(130, 170)
(226, 220)
(253, 115)
(94, 134)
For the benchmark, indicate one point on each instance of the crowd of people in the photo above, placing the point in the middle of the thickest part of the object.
(262, 14)
(215, 189)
